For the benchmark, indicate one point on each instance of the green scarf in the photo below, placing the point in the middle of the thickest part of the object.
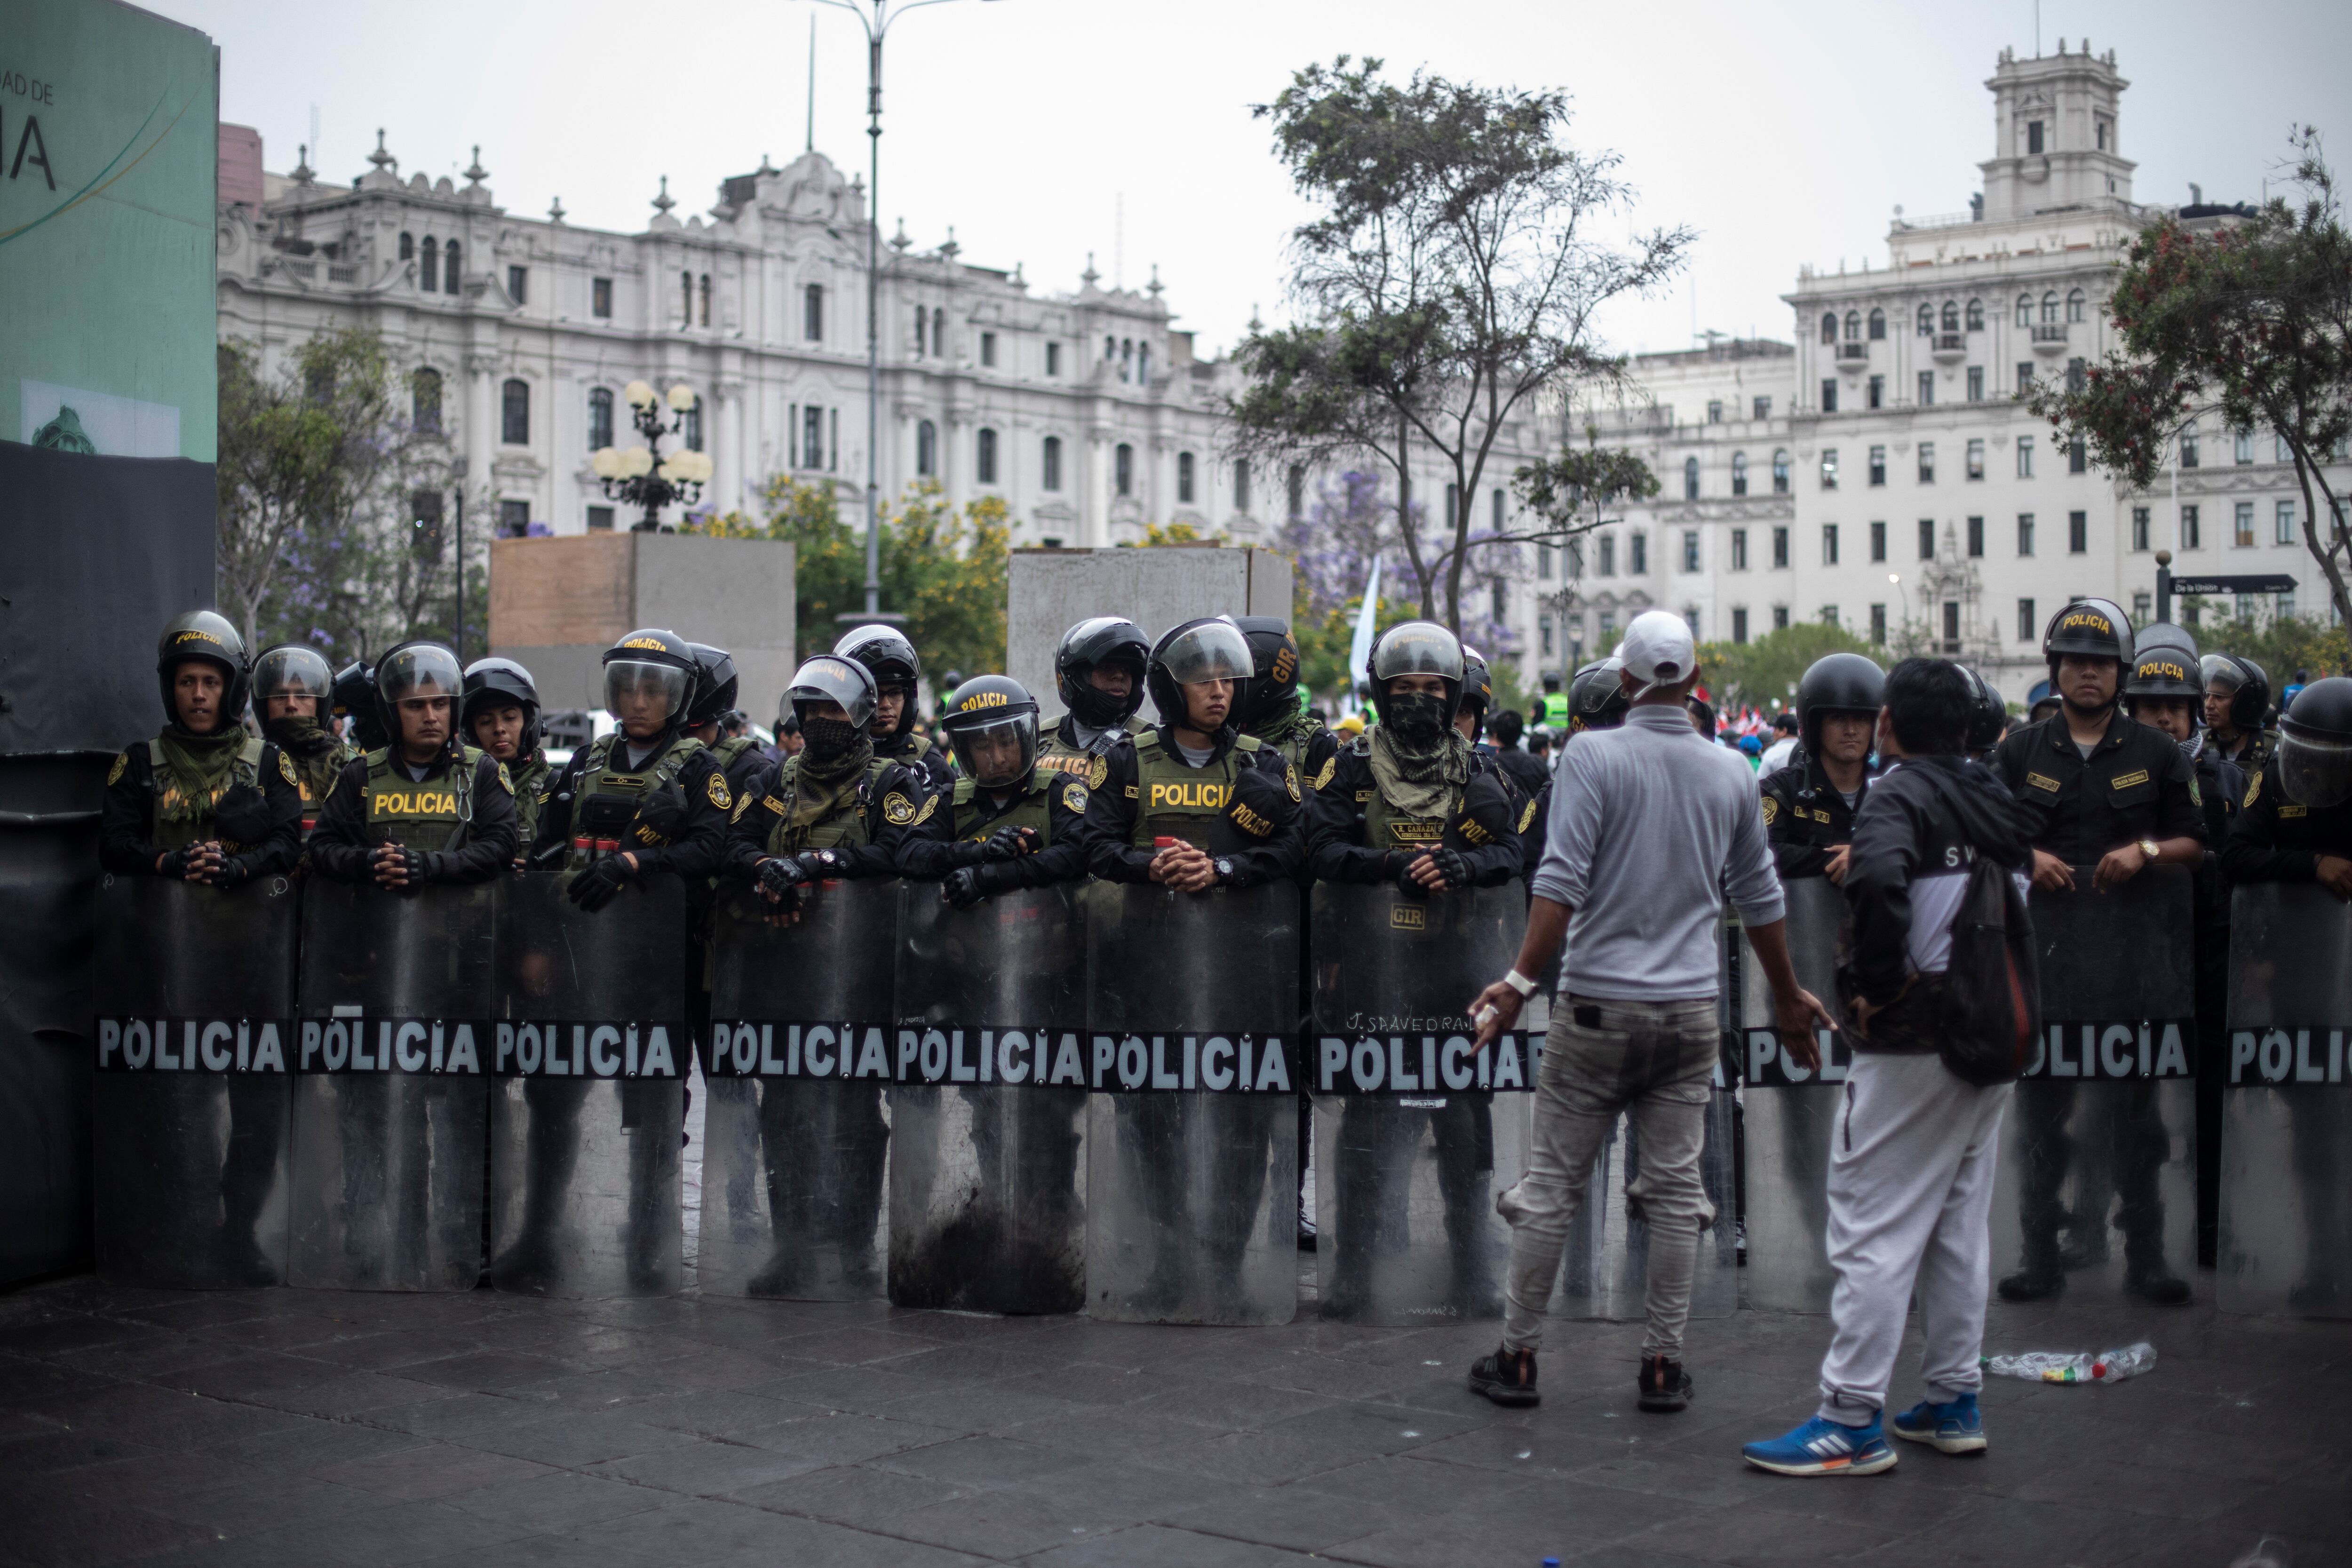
(1420, 783)
(817, 790)
(304, 736)
(1289, 723)
(199, 766)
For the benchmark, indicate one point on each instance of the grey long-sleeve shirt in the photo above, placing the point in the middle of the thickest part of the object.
(1651, 827)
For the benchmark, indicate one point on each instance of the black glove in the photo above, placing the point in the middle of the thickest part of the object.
(1261, 806)
(1486, 818)
(423, 866)
(174, 864)
(1401, 873)
(962, 889)
(243, 814)
(235, 872)
(780, 876)
(600, 884)
(1007, 843)
(663, 815)
(1451, 866)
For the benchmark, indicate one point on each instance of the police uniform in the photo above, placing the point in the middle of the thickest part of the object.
(596, 806)
(863, 829)
(2273, 839)
(1064, 753)
(1146, 790)
(532, 782)
(917, 753)
(315, 775)
(461, 816)
(1051, 805)
(1355, 835)
(1806, 817)
(150, 811)
(743, 760)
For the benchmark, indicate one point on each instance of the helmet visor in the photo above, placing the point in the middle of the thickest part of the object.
(292, 672)
(638, 688)
(996, 751)
(425, 671)
(2220, 670)
(829, 678)
(1418, 647)
(2313, 771)
(1215, 651)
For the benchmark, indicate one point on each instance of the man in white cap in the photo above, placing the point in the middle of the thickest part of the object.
(1651, 827)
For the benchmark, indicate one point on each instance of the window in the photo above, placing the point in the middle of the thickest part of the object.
(1715, 412)
(1828, 615)
(2033, 136)
(2143, 607)
(428, 266)
(1829, 468)
(2188, 448)
(425, 515)
(424, 401)
(1829, 322)
(2283, 523)
(519, 284)
(1637, 555)
(1926, 539)
(1976, 536)
(2078, 532)
(1740, 550)
(1878, 465)
(1877, 541)
(2025, 534)
(449, 267)
(1690, 549)
(1780, 550)
(922, 319)
(2242, 535)
(1242, 485)
(1299, 482)
(1923, 324)
(1951, 318)
(2284, 605)
(1543, 562)
(1780, 471)
(689, 427)
(600, 418)
(685, 299)
(1976, 384)
(2025, 457)
(1122, 469)
(1829, 545)
(2139, 528)
(1499, 600)
(1759, 409)
(1053, 359)
(1927, 388)
(988, 350)
(1049, 468)
(1739, 473)
(2243, 442)
(1779, 617)
(407, 248)
(702, 314)
(2024, 377)
(1547, 637)
(2049, 309)
(984, 457)
(813, 312)
(1608, 566)
(514, 427)
(1184, 478)
(2075, 303)
(2191, 535)
(1690, 479)
(514, 518)
(832, 439)
(940, 332)
(1739, 624)
(2025, 310)
(2100, 129)
(1951, 626)
(1453, 506)
(1927, 462)
(2282, 453)
(813, 436)
(1877, 325)
(600, 297)
(926, 448)
(1854, 326)
(1976, 315)
(2027, 625)
(792, 436)
(600, 520)
(1877, 392)
(2078, 457)
(1828, 394)
(1609, 628)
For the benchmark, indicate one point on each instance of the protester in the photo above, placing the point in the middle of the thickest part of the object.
(1777, 754)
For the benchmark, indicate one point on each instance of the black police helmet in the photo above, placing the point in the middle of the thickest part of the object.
(2092, 628)
(1477, 685)
(830, 678)
(1987, 714)
(1596, 698)
(2247, 683)
(2314, 749)
(354, 698)
(292, 668)
(1836, 683)
(1089, 645)
(891, 660)
(502, 683)
(204, 635)
(650, 658)
(1210, 649)
(2165, 664)
(418, 666)
(981, 713)
(1416, 647)
(1273, 688)
(714, 686)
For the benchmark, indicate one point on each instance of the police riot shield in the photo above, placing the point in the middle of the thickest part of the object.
(1415, 1129)
(194, 1013)
(588, 1062)
(1604, 1264)
(795, 1136)
(987, 1212)
(2286, 1132)
(1787, 1112)
(2096, 1191)
(1192, 1128)
(391, 1097)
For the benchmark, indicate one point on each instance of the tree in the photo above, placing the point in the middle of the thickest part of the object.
(1559, 489)
(1764, 673)
(2280, 644)
(2253, 319)
(1449, 280)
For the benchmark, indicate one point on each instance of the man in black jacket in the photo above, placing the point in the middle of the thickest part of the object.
(1911, 1171)
(1810, 805)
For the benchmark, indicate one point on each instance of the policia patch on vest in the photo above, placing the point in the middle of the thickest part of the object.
(284, 765)
(716, 788)
(1073, 798)
(897, 810)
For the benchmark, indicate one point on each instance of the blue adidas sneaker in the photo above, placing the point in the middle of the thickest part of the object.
(1954, 1428)
(1821, 1448)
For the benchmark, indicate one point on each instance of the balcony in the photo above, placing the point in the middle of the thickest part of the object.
(1950, 348)
(1852, 352)
(2050, 337)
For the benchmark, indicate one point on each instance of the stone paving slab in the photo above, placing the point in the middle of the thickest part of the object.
(268, 1426)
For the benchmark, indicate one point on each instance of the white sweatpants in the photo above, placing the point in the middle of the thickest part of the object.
(1911, 1179)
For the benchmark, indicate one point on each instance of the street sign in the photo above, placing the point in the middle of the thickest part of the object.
(2245, 582)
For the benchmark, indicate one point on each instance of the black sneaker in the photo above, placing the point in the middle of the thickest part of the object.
(1665, 1386)
(2032, 1284)
(2157, 1287)
(1507, 1377)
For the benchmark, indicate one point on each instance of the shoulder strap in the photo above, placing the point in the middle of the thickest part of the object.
(1246, 743)
(1147, 740)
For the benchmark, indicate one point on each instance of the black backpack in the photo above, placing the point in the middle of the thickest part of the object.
(1994, 977)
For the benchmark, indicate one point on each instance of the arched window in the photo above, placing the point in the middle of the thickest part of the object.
(600, 418)
(813, 312)
(1122, 469)
(686, 299)
(1739, 473)
(1127, 359)
(704, 320)
(1184, 478)
(1690, 479)
(984, 457)
(1829, 326)
(514, 404)
(926, 448)
(2050, 308)
(689, 427)
(2025, 310)
(1854, 326)
(425, 397)
(1049, 470)
(1110, 348)
(1951, 315)
(922, 321)
(1780, 471)
(407, 247)
(1877, 324)
(449, 267)
(1143, 365)
(428, 266)
(2074, 302)
(1924, 325)
(1976, 315)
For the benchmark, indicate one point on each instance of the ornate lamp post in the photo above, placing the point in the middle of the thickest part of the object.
(641, 476)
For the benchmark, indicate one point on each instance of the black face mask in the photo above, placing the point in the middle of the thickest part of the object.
(828, 738)
(300, 734)
(1416, 716)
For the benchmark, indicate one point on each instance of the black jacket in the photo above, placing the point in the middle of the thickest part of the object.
(1336, 847)
(950, 838)
(693, 854)
(1806, 817)
(2275, 840)
(126, 830)
(1528, 771)
(2134, 785)
(892, 804)
(1112, 808)
(1906, 832)
(923, 754)
(342, 845)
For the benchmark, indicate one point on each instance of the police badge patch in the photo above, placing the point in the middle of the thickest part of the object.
(1771, 810)
(284, 765)
(1330, 766)
(897, 809)
(716, 788)
(1290, 778)
(1098, 773)
(505, 781)
(929, 806)
(123, 760)
(1528, 816)
(2253, 789)
(1073, 798)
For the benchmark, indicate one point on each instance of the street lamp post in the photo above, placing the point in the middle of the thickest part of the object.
(641, 476)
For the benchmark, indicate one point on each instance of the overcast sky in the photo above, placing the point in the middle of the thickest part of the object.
(1782, 133)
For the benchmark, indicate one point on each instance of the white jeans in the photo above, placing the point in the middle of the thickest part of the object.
(1910, 1187)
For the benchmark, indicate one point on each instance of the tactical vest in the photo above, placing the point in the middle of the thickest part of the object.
(1294, 745)
(530, 787)
(315, 778)
(605, 802)
(1060, 756)
(436, 815)
(1386, 827)
(1174, 800)
(1033, 809)
(183, 817)
(727, 752)
(845, 828)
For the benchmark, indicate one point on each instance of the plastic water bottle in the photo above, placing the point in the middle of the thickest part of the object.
(2074, 1366)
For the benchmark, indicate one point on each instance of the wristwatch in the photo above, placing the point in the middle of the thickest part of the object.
(2147, 847)
(1224, 869)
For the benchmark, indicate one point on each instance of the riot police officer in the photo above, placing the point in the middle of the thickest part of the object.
(735, 750)
(647, 799)
(1596, 698)
(891, 660)
(1477, 697)
(1987, 717)
(2095, 788)
(1098, 674)
(1007, 823)
(1809, 805)
(1270, 708)
(290, 686)
(355, 707)
(428, 808)
(203, 801)
(2237, 704)
(501, 716)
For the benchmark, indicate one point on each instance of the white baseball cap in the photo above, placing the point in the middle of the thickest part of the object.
(1658, 650)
